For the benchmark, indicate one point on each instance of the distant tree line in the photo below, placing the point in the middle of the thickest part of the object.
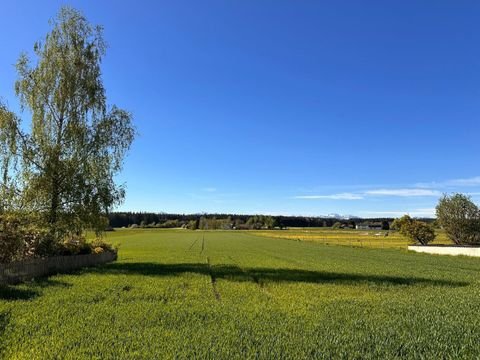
(230, 221)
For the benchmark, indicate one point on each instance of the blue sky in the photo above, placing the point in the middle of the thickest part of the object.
(368, 108)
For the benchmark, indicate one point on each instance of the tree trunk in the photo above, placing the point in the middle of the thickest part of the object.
(55, 201)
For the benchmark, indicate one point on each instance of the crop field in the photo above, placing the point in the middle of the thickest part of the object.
(359, 238)
(237, 295)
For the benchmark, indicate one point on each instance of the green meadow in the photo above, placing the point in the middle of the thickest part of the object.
(237, 295)
(347, 237)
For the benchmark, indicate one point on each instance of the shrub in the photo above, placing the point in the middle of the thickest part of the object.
(401, 222)
(460, 218)
(39, 242)
(98, 250)
(169, 224)
(192, 225)
(21, 238)
(337, 225)
(78, 245)
(415, 230)
(420, 232)
(99, 243)
(75, 246)
(11, 241)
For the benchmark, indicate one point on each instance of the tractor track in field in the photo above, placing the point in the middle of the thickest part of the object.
(193, 243)
(254, 277)
(213, 280)
(203, 245)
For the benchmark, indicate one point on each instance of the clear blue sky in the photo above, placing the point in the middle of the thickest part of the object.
(302, 107)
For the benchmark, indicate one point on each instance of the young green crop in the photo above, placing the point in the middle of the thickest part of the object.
(228, 294)
(347, 237)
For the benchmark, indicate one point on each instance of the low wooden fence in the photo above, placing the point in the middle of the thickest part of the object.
(19, 271)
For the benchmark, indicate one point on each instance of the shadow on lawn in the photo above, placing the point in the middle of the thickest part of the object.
(8, 292)
(260, 275)
(14, 293)
(4, 320)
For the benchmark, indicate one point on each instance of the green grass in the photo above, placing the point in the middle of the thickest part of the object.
(185, 294)
(347, 237)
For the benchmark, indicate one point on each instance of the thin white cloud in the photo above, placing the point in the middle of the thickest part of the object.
(473, 181)
(432, 189)
(376, 192)
(403, 192)
(428, 213)
(209, 189)
(341, 196)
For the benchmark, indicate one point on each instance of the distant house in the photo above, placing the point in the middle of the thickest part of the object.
(369, 226)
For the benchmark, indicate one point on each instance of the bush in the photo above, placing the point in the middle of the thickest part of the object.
(79, 246)
(98, 250)
(415, 230)
(401, 222)
(420, 232)
(101, 244)
(75, 246)
(460, 218)
(192, 225)
(20, 238)
(337, 225)
(11, 241)
(169, 224)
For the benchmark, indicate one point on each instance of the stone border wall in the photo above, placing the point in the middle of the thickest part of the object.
(447, 250)
(19, 271)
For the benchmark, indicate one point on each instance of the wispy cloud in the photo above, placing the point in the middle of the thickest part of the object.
(341, 196)
(209, 189)
(432, 189)
(403, 192)
(473, 181)
(371, 193)
(428, 212)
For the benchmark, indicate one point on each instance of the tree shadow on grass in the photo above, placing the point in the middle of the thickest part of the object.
(4, 320)
(11, 293)
(14, 293)
(235, 273)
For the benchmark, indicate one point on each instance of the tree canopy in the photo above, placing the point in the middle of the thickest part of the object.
(415, 230)
(62, 163)
(460, 218)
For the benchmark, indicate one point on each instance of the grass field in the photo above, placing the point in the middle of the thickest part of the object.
(359, 238)
(237, 295)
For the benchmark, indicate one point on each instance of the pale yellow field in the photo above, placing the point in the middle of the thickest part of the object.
(360, 238)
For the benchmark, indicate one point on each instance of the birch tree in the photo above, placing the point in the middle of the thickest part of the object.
(62, 163)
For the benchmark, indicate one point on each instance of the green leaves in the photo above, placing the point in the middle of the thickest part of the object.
(415, 230)
(77, 142)
(460, 218)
